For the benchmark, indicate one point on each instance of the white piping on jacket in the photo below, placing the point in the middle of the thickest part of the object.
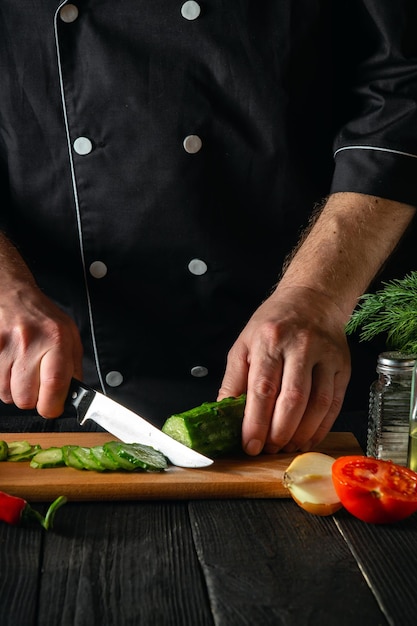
(399, 152)
(77, 206)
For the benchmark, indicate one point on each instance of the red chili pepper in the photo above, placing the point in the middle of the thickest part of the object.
(14, 510)
(11, 508)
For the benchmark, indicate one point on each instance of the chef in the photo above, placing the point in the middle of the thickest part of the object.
(158, 162)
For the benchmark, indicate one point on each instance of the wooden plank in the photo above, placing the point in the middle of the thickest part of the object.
(269, 562)
(20, 559)
(237, 477)
(122, 564)
(387, 556)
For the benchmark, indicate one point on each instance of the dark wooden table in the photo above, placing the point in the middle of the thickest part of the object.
(207, 562)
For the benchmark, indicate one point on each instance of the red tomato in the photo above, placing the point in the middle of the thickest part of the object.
(375, 491)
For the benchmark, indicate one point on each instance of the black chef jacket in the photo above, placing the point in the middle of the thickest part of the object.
(158, 160)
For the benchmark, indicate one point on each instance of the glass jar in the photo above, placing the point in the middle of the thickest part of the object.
(389, 407)
(412, 442)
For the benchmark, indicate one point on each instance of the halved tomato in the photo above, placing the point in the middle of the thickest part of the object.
(375, 491)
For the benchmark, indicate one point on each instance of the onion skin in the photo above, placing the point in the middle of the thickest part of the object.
(318, 509)
(309, 475)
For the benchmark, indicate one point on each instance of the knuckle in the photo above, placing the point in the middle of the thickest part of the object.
(295, 397)
(265, 389)
(237, 355)
(23, 398)
(318, 436)
(54, 383)
(322, 400)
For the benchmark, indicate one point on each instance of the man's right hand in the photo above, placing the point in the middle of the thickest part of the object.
(40, 346)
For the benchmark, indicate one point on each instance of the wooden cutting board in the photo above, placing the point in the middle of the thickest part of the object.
(233, 477)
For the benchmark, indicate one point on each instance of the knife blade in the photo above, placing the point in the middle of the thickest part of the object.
(128, 426)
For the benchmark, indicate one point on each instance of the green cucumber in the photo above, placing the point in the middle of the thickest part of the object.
(135, 456)
(4, 451)
(111, 456)
(18, 448)
(102, 457)
(113, 449)
(213, 428)
(143, 457)
(87, 460)
(48, 458)
(25, 456)
(70, 459)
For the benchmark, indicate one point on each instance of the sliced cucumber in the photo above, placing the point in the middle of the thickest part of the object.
(101, 456)
(87, 460)
(70, 459)
(113, 449)
(51, 457)
(137, 456)
(111, 456)
(143, 457)
(19, 447)
(25, 456)
(4, 451)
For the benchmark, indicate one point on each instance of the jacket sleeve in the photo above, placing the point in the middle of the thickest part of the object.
(375, 148)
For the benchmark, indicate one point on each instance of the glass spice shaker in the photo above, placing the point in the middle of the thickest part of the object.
(389, 407)
(412, 442)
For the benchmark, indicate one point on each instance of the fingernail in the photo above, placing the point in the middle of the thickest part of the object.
(254, 447)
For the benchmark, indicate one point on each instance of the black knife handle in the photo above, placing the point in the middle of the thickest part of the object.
(80, 396)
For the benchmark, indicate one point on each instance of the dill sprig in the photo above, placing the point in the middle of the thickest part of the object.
(391, 310)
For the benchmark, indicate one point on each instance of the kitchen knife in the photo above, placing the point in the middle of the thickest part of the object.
(128, 426)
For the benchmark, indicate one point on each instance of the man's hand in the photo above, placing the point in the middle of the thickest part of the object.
(294, 360)
(40, 347)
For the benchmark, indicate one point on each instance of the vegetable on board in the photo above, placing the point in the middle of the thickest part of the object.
(111, 456)
(213, 428)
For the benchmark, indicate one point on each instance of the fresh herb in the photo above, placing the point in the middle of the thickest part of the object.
(391, 310)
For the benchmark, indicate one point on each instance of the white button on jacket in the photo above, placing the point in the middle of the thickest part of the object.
(192, 144)
(114, 378)
(197, 267)
(83, 146)
(190, 10)
(98, 269)
(199, 371)
(68, 13)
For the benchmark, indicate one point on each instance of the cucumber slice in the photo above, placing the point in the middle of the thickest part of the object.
(136, 456)
(51, 457)
(4, 451)
(70, 459)
(87, 460)
(112, 448)
(25, 456)
(19, 447)
(143, 457)
(102, 457)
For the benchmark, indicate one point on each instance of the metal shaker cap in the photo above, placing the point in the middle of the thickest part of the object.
(393, 361)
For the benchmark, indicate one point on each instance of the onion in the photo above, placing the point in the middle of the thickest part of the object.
(309, 481)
